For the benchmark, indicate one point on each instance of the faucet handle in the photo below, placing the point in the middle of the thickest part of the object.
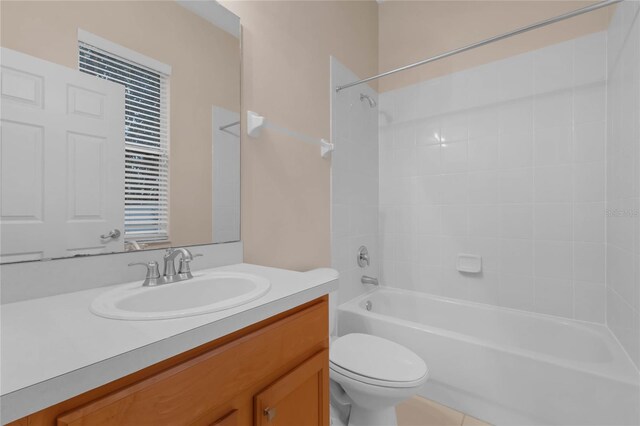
(185, 267)
(153, 272)
(363, 257)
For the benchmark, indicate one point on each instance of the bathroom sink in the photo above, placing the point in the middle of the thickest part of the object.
(202, 294)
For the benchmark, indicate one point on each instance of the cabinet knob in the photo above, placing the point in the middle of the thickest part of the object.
(270, 413)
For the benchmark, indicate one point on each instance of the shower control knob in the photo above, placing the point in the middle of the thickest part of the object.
(363, 257)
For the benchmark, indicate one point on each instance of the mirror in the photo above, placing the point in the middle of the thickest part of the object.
(119, 127)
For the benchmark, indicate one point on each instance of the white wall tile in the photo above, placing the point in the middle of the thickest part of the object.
(428, 132)
(554, 221)
(506, 161)
(484, 187)
(354, 176)
(484, 220)
(429, 218)
(516, 150)
(590, 103)
(589, 262)
(589, 182)
(454, 157)
(554, 109)
(554, 184)
(590, 301)
(340, 220)
(405, 162)
(554, 145)
(588, 222)
(454, 284)
(404, 137)
(623, 321)
(484, 288)
(489, 249)
(407, 101)
(450, 246)
(516, 186)
(483, 122)
(454, 128)
(517, 221)
(517, 257)
(454, 188)
(621, 274)
(428, 160)
(454, 221)
(589, 141)
(553, 259)
(516, 116)
(516, 291)
(428, 189)
(484, 153)
(554, 296)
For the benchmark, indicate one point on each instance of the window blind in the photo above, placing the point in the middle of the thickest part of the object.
(146, 140)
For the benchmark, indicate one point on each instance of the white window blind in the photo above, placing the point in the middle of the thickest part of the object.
(146, 140)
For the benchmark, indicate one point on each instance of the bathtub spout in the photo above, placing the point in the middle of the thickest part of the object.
(369, 280)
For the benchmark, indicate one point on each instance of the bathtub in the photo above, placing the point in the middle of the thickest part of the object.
(504, 366)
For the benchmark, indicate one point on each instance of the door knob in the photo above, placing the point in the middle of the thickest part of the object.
(112, 235)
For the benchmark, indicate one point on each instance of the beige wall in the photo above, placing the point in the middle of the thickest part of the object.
(205, 72)
(414, 30)
(285, 183)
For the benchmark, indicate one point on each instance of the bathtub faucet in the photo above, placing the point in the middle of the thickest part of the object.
(369, 280)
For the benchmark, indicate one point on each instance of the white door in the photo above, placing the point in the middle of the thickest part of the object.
(61, 160)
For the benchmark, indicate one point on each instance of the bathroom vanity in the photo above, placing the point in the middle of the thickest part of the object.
(265, 362)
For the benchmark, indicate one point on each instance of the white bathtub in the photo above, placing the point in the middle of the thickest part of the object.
(504, 366)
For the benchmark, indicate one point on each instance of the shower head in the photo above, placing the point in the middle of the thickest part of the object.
(372, 103)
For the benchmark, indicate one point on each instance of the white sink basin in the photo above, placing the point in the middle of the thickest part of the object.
(202, 294)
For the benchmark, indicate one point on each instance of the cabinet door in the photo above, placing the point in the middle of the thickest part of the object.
(189, 391)
(299, 398)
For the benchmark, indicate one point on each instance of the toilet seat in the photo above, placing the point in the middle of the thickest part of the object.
(376, 361)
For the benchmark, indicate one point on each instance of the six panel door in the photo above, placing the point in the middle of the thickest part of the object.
(62, 160)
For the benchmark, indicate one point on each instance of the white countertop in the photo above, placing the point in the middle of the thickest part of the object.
(54, 348)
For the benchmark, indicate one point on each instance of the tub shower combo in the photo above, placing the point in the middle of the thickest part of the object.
(503, 241)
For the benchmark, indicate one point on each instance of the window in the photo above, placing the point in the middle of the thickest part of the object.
(146, 216)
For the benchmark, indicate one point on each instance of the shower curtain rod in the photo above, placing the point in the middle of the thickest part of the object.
(487, 41)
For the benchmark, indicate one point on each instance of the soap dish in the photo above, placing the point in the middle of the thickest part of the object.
(470, 263)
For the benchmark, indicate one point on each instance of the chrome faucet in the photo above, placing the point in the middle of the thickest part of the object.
(369, 280)
(170, 275)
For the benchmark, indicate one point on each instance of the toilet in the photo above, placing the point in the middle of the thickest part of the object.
(369, 376)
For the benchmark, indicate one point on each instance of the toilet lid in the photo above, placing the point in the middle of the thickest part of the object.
(376, 358)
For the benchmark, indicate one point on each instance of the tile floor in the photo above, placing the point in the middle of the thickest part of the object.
(423, 412)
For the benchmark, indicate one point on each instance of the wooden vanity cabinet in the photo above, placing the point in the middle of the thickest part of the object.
(271, 373)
